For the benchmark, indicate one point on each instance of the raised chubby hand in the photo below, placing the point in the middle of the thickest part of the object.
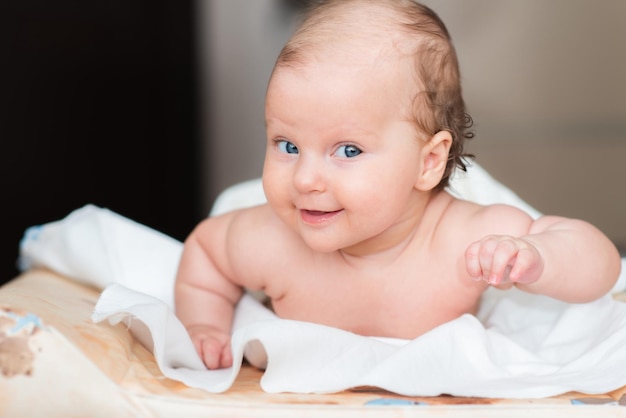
(503, 259)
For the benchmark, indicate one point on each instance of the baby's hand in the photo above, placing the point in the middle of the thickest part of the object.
(212, 345)
(499, 259)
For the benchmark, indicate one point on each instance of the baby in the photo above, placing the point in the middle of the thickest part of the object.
(365, 124)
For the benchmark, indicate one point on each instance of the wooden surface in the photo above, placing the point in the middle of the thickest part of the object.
(128, 370)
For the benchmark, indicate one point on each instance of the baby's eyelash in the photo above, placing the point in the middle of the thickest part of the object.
(349, 150)
(285, 146)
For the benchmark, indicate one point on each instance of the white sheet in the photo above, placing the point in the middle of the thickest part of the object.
(518, 346)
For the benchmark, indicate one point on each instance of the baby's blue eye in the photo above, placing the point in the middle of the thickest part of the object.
(287, 147)
(348, 151)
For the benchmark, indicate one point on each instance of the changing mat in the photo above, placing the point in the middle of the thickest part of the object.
(518, 346)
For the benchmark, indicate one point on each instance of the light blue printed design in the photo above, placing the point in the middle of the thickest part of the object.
(29, 321)
(393, 402)
(31, 234)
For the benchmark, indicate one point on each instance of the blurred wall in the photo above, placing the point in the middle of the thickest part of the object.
(239, 41)
(543, 80)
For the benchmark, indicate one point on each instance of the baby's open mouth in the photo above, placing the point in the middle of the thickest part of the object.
(316, 212)
(317, 216)
(319, 212)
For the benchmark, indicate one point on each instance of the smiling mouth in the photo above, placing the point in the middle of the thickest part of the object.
(317, 216)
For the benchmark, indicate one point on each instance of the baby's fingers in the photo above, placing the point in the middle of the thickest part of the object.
(472, 261)
(528, 266)
(490, 259)
(502, 260)
(227, 356)
(216, 353)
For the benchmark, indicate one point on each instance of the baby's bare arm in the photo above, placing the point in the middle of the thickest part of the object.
(567, 259)
(580, 262)
(204, 295)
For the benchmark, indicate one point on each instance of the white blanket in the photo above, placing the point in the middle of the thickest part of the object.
(518, 346)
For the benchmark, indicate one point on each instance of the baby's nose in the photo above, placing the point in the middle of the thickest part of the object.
(309, 175)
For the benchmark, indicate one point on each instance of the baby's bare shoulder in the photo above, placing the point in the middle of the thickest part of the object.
(490, 219)
(258, 244)
(257, 222)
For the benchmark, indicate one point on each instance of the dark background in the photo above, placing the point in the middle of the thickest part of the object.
(97, 105)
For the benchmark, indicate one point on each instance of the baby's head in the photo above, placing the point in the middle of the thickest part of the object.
(401, 29)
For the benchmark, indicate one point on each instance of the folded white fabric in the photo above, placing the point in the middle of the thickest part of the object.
(99, 247)
(519, 345)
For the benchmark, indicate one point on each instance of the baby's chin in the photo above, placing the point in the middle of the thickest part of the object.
(319, 242)
(323, 246)
(317, 239)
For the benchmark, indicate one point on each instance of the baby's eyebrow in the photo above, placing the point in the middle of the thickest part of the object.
(268, 121)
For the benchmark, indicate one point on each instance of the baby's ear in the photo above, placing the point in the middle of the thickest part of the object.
(434, 158)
